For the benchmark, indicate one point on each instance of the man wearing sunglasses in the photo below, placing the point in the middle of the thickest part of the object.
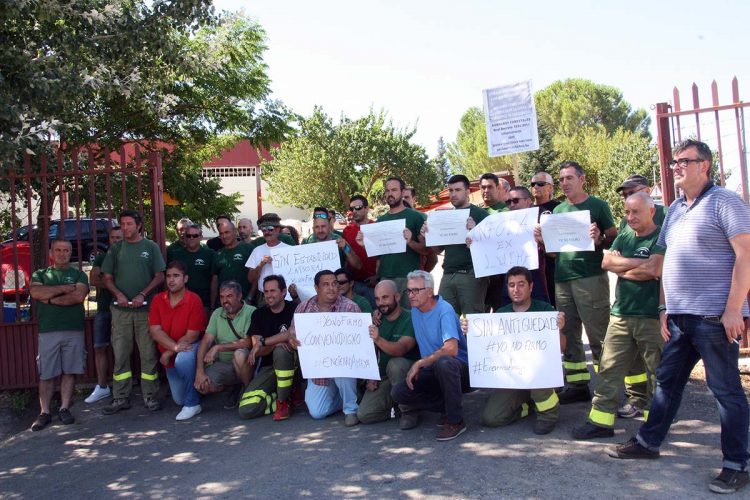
(260, 264)
(519, 198)
(199, 262)
(365, 277)
(543, 191)
(323, 231)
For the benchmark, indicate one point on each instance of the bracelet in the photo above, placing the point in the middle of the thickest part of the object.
(662, 307)
(140, 293)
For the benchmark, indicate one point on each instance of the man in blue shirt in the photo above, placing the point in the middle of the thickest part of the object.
(438, 380)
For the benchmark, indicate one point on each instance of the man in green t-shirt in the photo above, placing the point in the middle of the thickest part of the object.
(229, 262)
(494, 192)
(639, 184)
(199, 262)
(505, 406)
(459, 285)
(346, 289)
(59, 291)
(177, 247)
(581, 285)
(634, 329)
(397, 351)
(323, 231)
(133, 272)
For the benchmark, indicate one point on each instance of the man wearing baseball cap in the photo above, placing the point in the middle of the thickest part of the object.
(635, 184)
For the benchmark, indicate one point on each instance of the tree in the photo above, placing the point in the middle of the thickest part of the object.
(326, 162)
(468, 155)
(440, 162)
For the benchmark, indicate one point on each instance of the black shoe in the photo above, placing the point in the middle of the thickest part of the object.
(574, 394)
(729, 481)
(631, 449)
(41, 422)
(542, 427)
(65, 416)
(116, 405)
(591, 431)
(232, 397)
(629, 411)
(152, 404)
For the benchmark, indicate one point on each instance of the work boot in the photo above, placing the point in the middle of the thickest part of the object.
(65, 416)
(574, 394)
(232, 396)
(298, 395)
(728, 481)
(116, 405)
(632, 449)
(350, 419)
(41, 422)
(152, 404)
(591, 431)
(282, 410)
(408, 420)
(542, 427)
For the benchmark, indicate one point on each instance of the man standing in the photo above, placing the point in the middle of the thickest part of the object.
(102, 323)
(705, 283)
(345, 282)
(397, 351)
(325, 396)
(633, 332)
(59, 291)
(520, 198)
(437, 381)
(323, 231)
(365, 277)
(229, 263)
(408, 197)
(259, 263)
(245, 230)
(543, 190)
(272, 356)
(176, 247)
(176, 321)
(459, 286)
(639, 184)
(224, 349)
(216, 243)
(199, 262)
(582, 286)
(133, 272)
(494, 193)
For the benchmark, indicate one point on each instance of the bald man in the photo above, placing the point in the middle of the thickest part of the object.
(245, 230)
(397, 351)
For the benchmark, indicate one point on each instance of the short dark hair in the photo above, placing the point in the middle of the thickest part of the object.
(573, 164)
(704, 152)
(279, 279)
(269, 218)
(520, 271)
(222, 216)
(133, 214)
(179, 265)
(322, 210)
(490, 177)
(412, 189)
(343, 271)
(360, 198)
(400, 181)
(115, 227)
(454, 179)
(320, 274)
(524, 190)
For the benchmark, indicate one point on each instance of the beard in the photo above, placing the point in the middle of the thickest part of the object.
(387, 309)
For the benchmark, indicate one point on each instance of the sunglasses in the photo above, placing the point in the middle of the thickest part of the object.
(320, 216)
(357, 208)
(268, 228)
(516, 200)
(539, 184)
(342, 282)
(192, 236)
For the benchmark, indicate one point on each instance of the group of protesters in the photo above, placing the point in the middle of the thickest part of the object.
(218, 318)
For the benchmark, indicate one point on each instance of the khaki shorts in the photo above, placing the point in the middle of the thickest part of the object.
(222, 373)
(62, 352)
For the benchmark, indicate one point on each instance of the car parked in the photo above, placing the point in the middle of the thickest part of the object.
(90, 246)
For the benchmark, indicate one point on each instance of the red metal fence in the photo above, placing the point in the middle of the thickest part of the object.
(74, 195)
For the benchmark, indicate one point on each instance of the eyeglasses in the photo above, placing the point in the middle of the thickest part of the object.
(516, 200)
(267, 228)
(414, 291)
(357, 208)
(191, 236)
(539, 184)
(342, 282)
(683, 162)
(320, 216)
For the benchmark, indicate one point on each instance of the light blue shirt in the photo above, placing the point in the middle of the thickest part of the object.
(434, 327)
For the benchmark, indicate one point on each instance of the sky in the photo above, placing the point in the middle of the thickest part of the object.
(426, 62)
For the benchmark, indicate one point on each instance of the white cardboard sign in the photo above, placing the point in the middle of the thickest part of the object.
(446, 227)
(504, 240)
(299, 264)
(383, 238)
(567, 232)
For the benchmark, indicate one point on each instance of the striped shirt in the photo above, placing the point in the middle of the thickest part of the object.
(698, 265)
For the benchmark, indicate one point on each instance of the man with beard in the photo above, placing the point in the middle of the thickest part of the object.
(397, 351)
(494, 192)
(364, 277)
(323, 231)
(260, 263)
(245, 230)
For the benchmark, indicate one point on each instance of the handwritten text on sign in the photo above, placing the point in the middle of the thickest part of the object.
(383, 238)
(514, 350)
(299, 264)
(336, 345)
(504, 240)
(567, 232)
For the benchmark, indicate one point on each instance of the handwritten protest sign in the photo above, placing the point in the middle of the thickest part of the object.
(567, 232)
(504, 240)
(447, 227)
(299, 264)
(384, 237)
(510, 114)
(336, 345)
(514, 350)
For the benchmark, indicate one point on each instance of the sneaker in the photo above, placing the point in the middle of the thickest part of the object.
(574, 394)
(408, 420)
(41, 422)
(591, 431)
(631, 449)
(188, 412)
(282, 410)
(65, 416)
(232, 396)
(451, 431)
(542, 427)
(98, 394)
(728, 481)
(116, 405)
(350, 420)
(629, 411)
(152, 404)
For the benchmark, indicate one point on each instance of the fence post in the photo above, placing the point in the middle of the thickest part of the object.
(664, 143)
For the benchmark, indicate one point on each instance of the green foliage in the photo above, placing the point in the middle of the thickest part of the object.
(326, 162)
(440, 162)
(468, 155)
(19, 401)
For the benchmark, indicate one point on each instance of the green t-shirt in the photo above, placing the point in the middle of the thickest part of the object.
(133, 266)
(398, 265)
(218, 326)
(392, 331)
(200, 267)
(363, 303)
(574, 265)
(103, 295)
(637, 298)
(536, 306)
(458, 257)
(58, 318)
(497, 208)
(260, 240)
(659, 215)
(229, 264)
(175, 250)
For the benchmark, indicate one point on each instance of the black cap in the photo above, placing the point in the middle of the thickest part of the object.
(634, 180)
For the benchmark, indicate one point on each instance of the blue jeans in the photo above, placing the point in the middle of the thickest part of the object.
(694, 338)
(323, 400)
(182, 377)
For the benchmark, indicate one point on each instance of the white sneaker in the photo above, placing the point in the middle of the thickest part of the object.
(188, 412)
(98, 394)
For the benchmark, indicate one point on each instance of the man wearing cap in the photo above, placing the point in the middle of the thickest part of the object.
(260, 264)
(636, 184)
